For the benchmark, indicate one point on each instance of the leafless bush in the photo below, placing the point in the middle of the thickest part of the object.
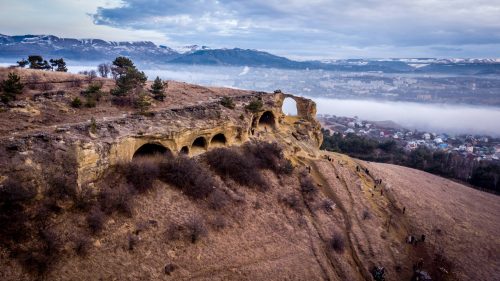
(228, 162)
(46, 86)
(123, 101)
(308, 187)
(267, 156)
(219, 223)
(218, 199)
(193, 229)
(142, 172)
(188, 175)
(285, 167)
(174, 231)
(116, 199)
(327, 205)
(41, 258)
(169, 268)
(366, 215)
(32, 81)
(337, 243)
(91, 74)
(196, 228)
(96, 219)
(14, 216)
(60, 187)
(84, 199)
(292, 201)
(76, 83)
(133, 240)
(82, 245)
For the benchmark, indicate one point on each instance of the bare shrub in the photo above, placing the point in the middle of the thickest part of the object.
(196, 228)
(85, 199)
(174, 231)
(366, 215)
(116, 199)
(193, 229)
(169, 268)
(76, 83)
(32, 81)
(188, 175)
(308, 187)
(46, 86)
(218, 199)
(123, 101)
(286, 167)
(133, 240)
(41, 257)
(337, 243)
(228, 162)
(60, 187)
(142, 172)
(82, 245)
(292, 201)
(268, 156)
(14, 216)
(219, 223)
(95, 220)
(327, 205)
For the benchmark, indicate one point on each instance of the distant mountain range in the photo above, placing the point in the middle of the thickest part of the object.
(13, 48)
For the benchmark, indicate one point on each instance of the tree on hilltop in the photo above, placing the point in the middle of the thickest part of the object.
(59, 65)
(37, 62)
(22, 63)
(11, 87)
(157, 89)
(104, 69)
(129, 79)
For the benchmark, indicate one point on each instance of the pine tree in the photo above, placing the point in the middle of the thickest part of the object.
(128, 78)
(142, 103)
(22, 63)
(158, 90)
(59, 64)
(11, 87)
(37, 62)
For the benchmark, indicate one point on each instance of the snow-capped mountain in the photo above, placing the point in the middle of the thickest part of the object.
(13, 48)
(190, 48)
(81, 49)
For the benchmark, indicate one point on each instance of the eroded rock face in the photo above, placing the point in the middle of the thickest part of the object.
(190, 130)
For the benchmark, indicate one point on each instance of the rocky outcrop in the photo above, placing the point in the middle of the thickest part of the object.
(97, 145)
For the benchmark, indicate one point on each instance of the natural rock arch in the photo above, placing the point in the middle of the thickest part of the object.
(151, 149)
(199, 145)
(290, 107)
(218, 140)
(267, 119)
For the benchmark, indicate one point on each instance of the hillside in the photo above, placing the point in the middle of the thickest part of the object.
(197, 189)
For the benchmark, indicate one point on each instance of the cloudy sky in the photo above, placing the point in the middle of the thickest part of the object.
(293, 28)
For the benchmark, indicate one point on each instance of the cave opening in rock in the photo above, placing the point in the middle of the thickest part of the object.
(199, 145)
(185, 150)
(151, 149)
(267, 120)
(218, 140)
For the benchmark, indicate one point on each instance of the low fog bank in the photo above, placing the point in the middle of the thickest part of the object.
(439, 118)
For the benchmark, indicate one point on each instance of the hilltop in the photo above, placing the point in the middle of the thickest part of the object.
(217, 184)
